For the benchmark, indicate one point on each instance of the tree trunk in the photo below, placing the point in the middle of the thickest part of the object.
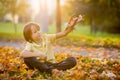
(15, 27)
(93, 27)
(14, 24)
(43, 17)
(58, 16)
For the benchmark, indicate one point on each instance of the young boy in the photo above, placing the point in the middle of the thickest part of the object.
(40, 45)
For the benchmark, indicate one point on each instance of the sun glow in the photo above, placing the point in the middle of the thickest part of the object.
(34, 5)
(50, 4)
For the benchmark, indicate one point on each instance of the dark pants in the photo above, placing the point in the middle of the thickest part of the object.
(33, 63)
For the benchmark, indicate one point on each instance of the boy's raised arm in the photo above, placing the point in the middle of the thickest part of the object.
(70, 27)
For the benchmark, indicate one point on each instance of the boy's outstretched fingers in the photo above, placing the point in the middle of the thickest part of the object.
(73, 21)
(80, 18)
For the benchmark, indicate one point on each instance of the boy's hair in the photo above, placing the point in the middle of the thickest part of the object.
(27, 31)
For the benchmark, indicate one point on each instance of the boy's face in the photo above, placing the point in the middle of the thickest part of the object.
(36, 35)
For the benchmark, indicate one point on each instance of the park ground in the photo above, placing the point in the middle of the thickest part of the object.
(98, 56)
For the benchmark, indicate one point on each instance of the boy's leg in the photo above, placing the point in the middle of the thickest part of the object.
(33, 63)
(68, 63)
(27, 61)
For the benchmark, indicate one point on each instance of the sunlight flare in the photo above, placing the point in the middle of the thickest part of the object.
(36, 5)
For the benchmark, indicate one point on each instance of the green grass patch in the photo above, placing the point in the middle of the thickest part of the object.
(9, 27)
(80, 36)
(7, 31)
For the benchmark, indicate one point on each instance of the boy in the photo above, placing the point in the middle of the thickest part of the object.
(40, 45)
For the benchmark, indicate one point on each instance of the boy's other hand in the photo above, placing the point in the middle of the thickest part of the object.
(57, 72)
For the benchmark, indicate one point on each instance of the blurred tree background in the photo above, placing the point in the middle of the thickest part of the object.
(15, 8)
(101, 15)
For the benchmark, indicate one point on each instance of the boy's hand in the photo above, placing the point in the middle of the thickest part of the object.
(73, 21)
(71, 25)
(43, 57)
(80, 18)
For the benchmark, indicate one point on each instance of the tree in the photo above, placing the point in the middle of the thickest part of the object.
(3, 8)
(44, 15)
(99, 13)
(15, 7)
(58, 16)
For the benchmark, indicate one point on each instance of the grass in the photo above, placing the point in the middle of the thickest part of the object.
(7, 31)
(9, 27)
(80, 29)
(80, 36)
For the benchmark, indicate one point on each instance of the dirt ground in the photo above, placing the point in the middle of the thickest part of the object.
(100, 53)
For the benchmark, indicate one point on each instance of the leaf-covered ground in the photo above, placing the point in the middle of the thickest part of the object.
(93, 52)
(92, 64)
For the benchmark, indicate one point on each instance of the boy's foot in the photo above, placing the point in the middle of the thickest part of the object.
(57, 72)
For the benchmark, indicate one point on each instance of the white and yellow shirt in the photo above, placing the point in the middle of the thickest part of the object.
(45, 46)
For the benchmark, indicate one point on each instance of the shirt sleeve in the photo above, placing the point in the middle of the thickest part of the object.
(51, 37)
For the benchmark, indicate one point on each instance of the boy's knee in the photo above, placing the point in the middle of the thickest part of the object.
(72, 60)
